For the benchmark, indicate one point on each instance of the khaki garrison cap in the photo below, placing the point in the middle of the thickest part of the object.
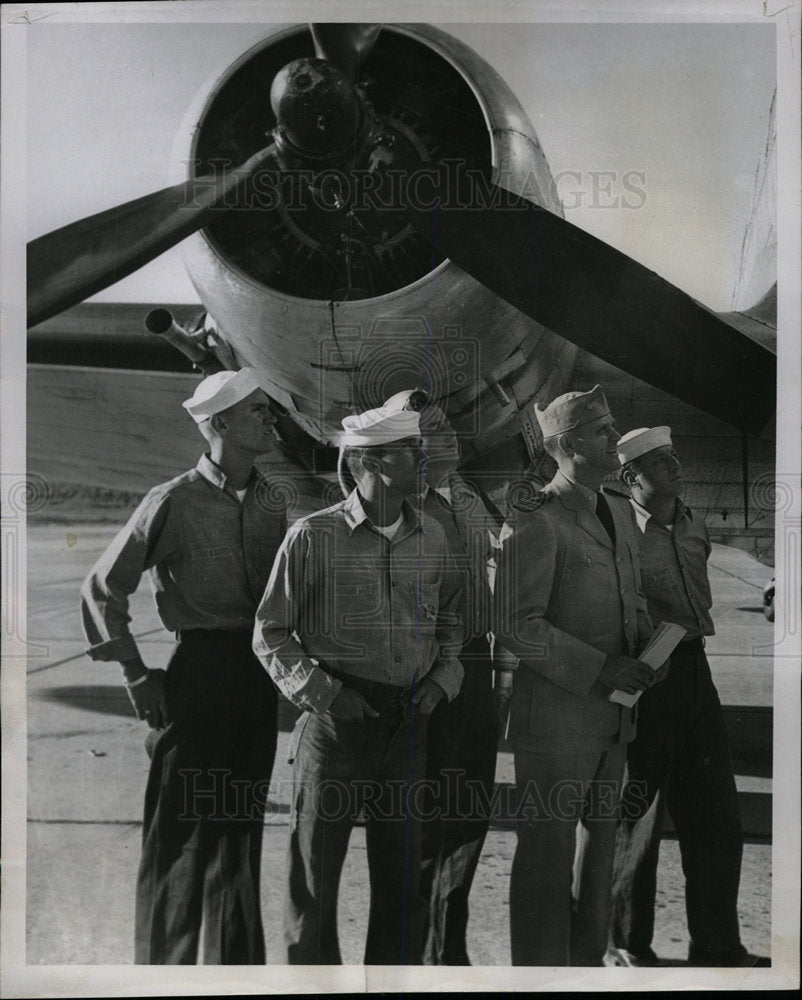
(572, 410)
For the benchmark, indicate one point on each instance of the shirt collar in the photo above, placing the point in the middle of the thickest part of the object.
(355, 512)
(642, 515)
(446, 492)
(584, 491)
(213, 474)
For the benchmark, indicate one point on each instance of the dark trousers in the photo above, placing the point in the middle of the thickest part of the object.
(566, 813)
(204, 807)
(680, 761)
(461, 764)
(374, 767)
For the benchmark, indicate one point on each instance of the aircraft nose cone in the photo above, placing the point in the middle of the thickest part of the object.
(316, 107)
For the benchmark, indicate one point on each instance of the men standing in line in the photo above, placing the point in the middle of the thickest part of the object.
(463, 734)
(207, 540)
(680, 758)
(359, 627)
(568, 604)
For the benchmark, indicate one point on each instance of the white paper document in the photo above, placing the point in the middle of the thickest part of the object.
(661, 645)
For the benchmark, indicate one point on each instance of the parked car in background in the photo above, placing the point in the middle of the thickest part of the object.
(768, 600)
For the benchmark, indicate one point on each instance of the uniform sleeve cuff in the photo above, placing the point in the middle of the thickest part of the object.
(448, 676)
(317, 692)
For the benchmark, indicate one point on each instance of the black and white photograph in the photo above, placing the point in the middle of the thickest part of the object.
(400, 497)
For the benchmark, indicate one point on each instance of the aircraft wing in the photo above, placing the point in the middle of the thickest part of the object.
(102, 394)
(104, 407)
(711, 452)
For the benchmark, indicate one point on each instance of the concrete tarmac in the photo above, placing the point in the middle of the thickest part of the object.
(87, 769)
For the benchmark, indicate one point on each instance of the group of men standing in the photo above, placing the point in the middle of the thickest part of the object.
(375, 618)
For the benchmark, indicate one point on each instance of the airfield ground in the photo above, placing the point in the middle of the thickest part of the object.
(87, 769)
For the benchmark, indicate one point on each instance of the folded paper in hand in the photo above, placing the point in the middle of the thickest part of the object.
(666, 637)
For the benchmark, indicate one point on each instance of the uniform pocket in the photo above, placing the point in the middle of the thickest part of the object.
(295, 738)
(211, 574)
(656, 580)
(428, 600)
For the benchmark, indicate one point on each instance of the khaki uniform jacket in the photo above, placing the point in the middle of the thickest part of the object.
(566, 598)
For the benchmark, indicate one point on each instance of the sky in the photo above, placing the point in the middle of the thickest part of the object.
(654, 132)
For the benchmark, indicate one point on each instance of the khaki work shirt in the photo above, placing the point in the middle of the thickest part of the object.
(208, 557)
(344, 600)
(673, 566)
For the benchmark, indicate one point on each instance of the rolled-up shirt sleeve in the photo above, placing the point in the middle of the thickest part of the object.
(148, 537)
(275, 636)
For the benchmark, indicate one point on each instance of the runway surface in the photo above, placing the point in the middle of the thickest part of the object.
(87, 769)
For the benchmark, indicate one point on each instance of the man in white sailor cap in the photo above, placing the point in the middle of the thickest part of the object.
(463, 734)
(680, 759)
(206, 540)
(570, 607)
(359, 627)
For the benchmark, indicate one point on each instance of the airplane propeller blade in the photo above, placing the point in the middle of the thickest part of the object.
(72, 263)
(595, 296)
(345, 45)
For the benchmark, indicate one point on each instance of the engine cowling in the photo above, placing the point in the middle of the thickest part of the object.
(339, 307)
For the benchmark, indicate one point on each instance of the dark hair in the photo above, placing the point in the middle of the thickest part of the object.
(352, 459)
(418, 400)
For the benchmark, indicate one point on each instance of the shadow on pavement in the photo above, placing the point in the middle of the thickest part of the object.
(111, 699)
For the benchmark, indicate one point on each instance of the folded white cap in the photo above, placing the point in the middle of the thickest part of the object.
(219, 391)
(379, 426)
(636, 443)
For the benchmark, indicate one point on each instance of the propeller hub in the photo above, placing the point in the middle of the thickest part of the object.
(318, 112)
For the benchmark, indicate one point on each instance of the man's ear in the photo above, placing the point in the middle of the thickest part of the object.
(371, 464)
(629, 476)
(566, 445)
(218, 422)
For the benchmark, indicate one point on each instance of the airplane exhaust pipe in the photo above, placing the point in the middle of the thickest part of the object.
(162, 323)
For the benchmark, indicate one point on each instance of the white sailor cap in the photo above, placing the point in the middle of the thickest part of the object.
(572, 410)
(379, 426)
(636, 443)
(219, 391)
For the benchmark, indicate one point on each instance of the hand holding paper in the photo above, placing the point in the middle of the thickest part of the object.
(666, 637)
